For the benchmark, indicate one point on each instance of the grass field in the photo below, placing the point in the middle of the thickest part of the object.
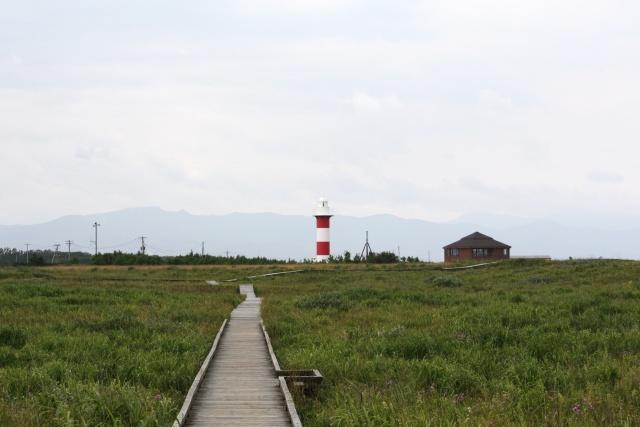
(104, 347)
(514, 343)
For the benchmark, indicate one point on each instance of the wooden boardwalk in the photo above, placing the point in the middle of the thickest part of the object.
(241, 387)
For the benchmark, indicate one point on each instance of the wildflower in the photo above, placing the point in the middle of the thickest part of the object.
(459, 397)
(589, 404)
(388, 383)
(157, 397)
(433, 387)
(576, 409)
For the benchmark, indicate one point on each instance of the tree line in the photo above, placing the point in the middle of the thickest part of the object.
(120, 258)
(38, 257)
(41, 257)
(384, 257)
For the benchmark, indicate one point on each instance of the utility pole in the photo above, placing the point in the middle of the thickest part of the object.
(55, 254)
(69, 242)
(27, 244)
(96, 225)
(143, 246)
(202, 248)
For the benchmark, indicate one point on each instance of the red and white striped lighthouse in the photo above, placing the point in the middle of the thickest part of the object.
(323, 215)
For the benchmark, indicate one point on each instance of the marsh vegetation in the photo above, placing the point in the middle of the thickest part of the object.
(515, 343)
(520, 342)
(103, 347)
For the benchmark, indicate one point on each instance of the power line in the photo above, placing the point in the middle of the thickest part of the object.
(121, 244)
(33, 245)
(81, 246)
(164, 251)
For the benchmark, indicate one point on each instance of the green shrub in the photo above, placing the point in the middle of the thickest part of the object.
(12, 336)
(333, 300)
(7, 357)
(447, 281)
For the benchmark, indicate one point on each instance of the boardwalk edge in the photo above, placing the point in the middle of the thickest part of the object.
(186, 406)
(274, 359)
(291, 407)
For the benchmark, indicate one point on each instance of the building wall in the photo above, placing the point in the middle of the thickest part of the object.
(479, 254)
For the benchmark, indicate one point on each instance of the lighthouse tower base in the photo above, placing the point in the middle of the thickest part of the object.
(323, 216)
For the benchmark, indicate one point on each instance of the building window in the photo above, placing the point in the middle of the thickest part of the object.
(454, 252)
(505, 252)
(480, 253)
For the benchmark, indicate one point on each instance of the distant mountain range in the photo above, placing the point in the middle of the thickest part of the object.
(293, 236)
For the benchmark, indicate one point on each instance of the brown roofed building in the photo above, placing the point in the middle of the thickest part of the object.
(476, 245)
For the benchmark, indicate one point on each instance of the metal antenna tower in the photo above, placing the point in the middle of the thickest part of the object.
(367, 249)
(55, 254)
(96, 225)
(143, 247)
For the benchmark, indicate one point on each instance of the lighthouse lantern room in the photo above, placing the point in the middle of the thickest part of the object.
(323, 215)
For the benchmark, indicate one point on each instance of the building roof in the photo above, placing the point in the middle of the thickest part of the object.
(476, 240)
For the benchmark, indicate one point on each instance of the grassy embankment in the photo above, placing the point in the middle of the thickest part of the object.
(516, 343)
(104, 346)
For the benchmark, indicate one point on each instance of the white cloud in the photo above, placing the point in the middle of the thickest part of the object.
(491, 100)
(296, 7)
(459, 106)
(600, 176)
(364, 103)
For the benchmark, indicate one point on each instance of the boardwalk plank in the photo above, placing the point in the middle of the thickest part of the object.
(241, 387)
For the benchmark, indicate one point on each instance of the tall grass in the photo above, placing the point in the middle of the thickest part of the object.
(98, 347)
(515, 343)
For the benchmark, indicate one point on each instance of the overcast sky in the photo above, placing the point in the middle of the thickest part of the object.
(421, 109)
